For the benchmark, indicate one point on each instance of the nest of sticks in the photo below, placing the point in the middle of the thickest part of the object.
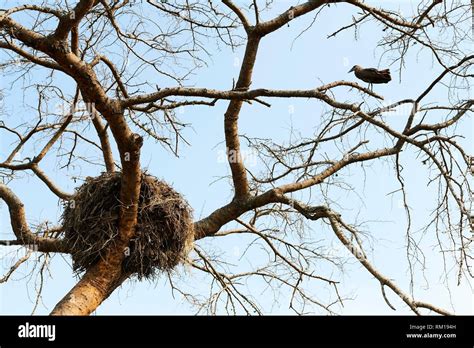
(163, 236)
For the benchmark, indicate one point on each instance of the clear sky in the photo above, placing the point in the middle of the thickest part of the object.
(282, 63)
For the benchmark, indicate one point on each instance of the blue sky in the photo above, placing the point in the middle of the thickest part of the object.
(282, 63)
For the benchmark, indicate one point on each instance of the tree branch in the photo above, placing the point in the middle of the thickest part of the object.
(20, 226)
(293, 12)
(239, 14)
(337, 224)
(239, 95)
(73, 18)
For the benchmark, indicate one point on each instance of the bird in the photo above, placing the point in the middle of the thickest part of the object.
(371, 75)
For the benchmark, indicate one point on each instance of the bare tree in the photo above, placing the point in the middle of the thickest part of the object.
(92, 43)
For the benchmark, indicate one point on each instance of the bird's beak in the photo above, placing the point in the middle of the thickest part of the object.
(351, 70)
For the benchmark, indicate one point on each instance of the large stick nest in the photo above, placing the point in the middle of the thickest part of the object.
(163, 235)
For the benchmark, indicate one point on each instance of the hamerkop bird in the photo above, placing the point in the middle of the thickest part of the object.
(371, 75)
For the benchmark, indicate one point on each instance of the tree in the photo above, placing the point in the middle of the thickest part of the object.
(91, 43)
